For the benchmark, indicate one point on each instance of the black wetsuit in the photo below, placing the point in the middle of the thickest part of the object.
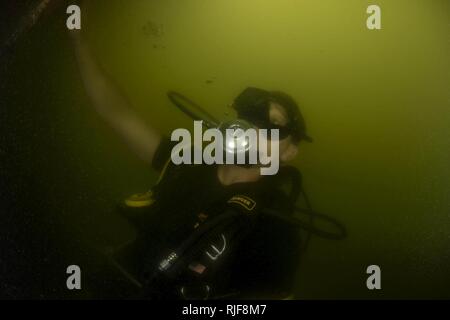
(238, 252)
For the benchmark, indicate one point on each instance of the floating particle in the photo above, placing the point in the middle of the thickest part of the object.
(153, 29)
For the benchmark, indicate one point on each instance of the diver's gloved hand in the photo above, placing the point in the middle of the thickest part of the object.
(160, 287)
(187, 286)
(195, 291)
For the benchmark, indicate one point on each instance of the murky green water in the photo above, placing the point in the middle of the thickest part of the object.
(376, 102)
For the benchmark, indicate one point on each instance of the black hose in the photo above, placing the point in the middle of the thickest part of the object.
(341, 234)
(174, 97)
(311, 218)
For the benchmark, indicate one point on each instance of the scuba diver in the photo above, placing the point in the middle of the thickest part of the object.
(206, 231)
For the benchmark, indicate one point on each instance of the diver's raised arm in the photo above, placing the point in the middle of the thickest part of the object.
(112, 105)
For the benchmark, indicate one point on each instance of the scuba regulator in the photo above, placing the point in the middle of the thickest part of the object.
(253, 111)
